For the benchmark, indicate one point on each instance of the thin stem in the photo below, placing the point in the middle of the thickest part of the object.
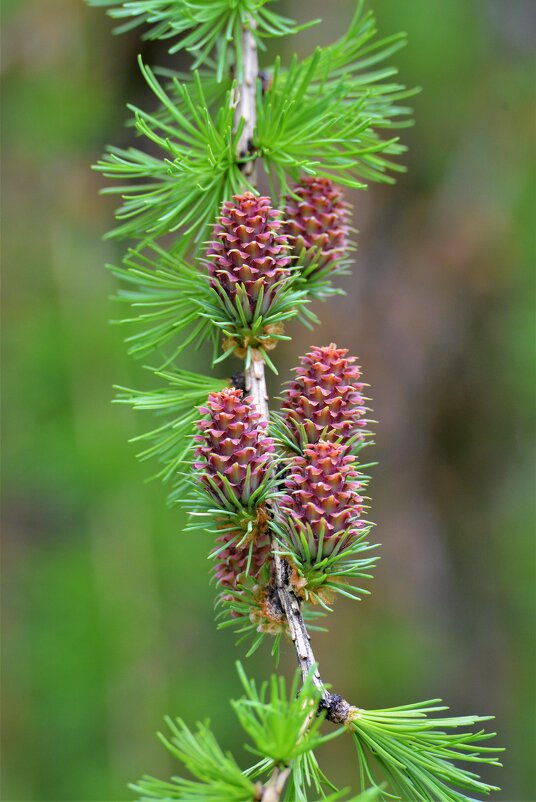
(276, 784)
(256, 385)
(337, 709)
(298, 631)
(246, 102)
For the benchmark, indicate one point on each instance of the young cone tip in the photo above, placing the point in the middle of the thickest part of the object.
(325, 400)
(317, 222)
(249, 249)
(233, 452)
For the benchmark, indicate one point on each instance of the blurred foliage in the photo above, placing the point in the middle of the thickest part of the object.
(107, 614)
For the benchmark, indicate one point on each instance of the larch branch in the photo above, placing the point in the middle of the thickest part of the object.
(337, 709)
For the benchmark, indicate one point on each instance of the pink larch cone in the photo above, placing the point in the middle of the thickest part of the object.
(232, 562)
(250, 248)
(233, 447)
(317, 221)
(325, 399)
(321, 500)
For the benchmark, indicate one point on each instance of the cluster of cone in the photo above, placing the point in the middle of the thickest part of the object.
(321, 507)
(253, 246)
(249, 260)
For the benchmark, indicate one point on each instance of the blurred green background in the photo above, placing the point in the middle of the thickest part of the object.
(107, 613)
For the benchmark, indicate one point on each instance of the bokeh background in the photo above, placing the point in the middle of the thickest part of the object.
(107, 613)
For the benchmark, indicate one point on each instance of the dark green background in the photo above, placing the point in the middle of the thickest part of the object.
(108, 621)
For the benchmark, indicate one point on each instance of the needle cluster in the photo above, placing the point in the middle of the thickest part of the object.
(279, 495)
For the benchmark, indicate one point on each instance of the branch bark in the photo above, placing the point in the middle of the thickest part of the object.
(276, 785)
(246, 101)
(256, 386)
(337, 709)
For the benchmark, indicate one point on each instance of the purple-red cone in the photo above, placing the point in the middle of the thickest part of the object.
(317, 221)
(232, 447)
(325, 399)
(249, 248)
(321, 502)
(232, 562)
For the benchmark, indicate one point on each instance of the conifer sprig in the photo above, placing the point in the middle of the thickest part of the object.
(184, 187)
(321, 116)
(419, 754)
(167, 297)
(310, 128)
(282, 723)
(210, 31)
(281, 729)
(357, 57)
(218, 778)
(176, 404)
(282, 504)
